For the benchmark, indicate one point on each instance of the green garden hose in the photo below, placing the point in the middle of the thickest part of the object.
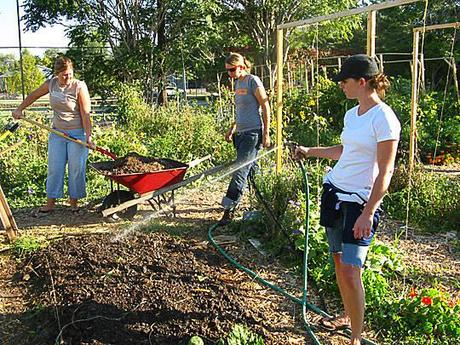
(304, 301)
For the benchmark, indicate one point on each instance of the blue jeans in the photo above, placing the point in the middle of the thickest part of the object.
(62, 152)
(247, 146)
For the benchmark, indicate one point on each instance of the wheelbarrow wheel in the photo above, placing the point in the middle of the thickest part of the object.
(116, 198)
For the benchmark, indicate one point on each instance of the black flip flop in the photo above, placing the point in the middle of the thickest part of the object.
(76, 210)
(42, 213)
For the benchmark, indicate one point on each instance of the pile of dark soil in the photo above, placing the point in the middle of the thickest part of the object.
(146, 289)
(134, 163)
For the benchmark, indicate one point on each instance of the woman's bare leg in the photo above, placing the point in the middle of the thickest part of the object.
(349, 280)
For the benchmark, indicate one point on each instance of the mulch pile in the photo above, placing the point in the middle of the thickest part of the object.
(134, 163)
(145, 289)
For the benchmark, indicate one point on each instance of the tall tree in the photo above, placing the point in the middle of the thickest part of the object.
(33, 76)
(396, 31)
(139, 33)
(259, 20)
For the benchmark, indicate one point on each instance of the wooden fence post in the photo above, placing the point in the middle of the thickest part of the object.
(7, 218)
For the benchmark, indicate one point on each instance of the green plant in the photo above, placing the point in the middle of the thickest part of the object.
(430, 316)
(430, 123)
(315, 116)
(131, 108)
(285, 196)
(23, 169)
(26, 245)
(433, 198)
(195, 340)
(241, 335)
(185, 132)
(383, 263)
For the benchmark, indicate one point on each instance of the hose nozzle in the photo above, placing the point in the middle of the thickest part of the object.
(291, 144)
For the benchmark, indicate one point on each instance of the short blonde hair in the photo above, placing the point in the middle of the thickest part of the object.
(61, 64)
(236, 59)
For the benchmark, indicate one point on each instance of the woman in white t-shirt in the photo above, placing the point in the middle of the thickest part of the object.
(355, 187)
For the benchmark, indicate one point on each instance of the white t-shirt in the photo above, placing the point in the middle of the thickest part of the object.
(357, 169)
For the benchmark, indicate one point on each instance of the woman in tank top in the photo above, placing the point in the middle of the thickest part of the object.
(70, 101)
(355, 187)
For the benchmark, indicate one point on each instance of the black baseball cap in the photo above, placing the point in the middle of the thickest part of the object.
(357, 66)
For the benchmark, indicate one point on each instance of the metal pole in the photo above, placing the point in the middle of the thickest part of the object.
(20, 51)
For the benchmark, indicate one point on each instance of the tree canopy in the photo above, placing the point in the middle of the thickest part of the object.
(146, 40)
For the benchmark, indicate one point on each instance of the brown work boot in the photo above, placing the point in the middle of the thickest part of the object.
(227, 217)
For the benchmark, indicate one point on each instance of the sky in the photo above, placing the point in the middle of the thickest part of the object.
(45, 37)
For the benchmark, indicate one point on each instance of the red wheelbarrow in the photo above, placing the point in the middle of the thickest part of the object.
(151, 186)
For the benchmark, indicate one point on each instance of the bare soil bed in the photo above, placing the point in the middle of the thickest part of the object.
(103, 283)
(145, 289)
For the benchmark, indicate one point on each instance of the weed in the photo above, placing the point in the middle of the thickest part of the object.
(25, 245)
(241, 335)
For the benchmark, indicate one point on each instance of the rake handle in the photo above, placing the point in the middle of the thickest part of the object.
(70, 138)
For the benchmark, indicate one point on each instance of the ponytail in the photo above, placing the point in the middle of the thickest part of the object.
(380, 83)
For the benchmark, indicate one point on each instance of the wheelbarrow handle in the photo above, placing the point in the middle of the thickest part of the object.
(198, 161)
(70, 138)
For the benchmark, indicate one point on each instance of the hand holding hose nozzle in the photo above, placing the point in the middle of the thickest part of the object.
(298, 152)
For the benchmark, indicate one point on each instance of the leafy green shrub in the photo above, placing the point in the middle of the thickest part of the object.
(382, 265)
(429, 121)
(131, 109)
(185, 133)
(177, 131)
(428, 317)
(23, 169)
(433, 199)
(285, 196)
(316, 115)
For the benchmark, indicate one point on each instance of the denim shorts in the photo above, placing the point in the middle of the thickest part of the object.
(340, 236)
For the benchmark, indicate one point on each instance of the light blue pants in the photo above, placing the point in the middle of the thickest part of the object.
(62, 152)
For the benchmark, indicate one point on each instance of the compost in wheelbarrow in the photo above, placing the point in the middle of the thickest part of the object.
(167, 172)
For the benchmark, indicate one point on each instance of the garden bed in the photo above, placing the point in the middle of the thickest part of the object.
(127, 287)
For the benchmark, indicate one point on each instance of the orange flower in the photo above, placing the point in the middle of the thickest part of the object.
(451, 304)
(412, 292)
(426, 300)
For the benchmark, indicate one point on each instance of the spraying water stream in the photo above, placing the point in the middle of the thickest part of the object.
(234, 167)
